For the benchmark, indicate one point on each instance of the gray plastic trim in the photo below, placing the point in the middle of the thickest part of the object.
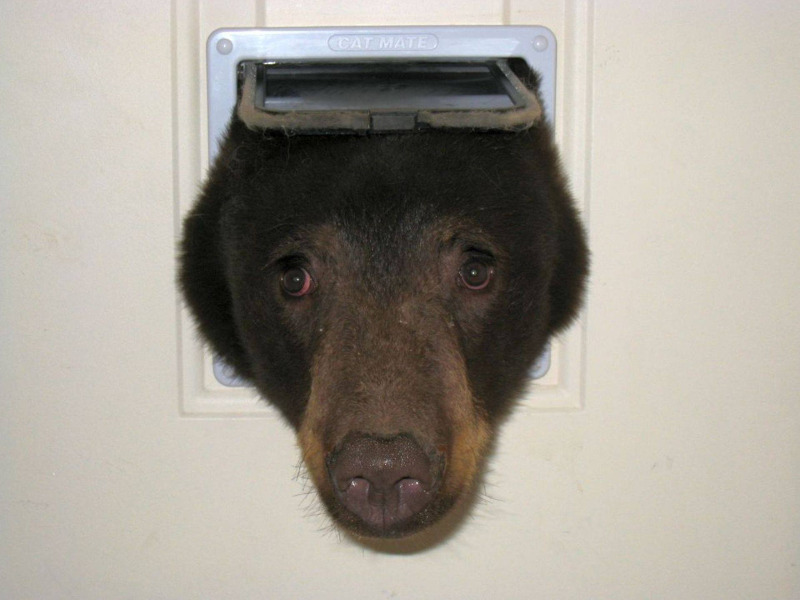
(227, 48)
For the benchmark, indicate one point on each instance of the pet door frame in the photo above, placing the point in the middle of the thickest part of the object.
(555, 381)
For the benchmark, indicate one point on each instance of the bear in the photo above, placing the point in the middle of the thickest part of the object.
(388, 294)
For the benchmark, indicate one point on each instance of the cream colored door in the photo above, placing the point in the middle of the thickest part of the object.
(673, 475)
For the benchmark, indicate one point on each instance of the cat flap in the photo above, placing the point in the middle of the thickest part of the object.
(385, 96)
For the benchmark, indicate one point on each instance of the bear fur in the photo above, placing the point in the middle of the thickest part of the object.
(388, 294)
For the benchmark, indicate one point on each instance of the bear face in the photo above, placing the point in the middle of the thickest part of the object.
(388, 293)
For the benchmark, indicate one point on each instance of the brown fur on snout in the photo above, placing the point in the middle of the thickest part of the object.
(390, 371)
(388, 357)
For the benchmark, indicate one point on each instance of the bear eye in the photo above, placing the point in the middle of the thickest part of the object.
(475, 274)
(297, 282)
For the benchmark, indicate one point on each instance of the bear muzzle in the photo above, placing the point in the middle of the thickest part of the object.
(385, 483)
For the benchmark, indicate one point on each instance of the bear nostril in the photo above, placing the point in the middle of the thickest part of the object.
(384, 482)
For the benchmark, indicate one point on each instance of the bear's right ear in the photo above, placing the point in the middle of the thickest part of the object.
(201, 275)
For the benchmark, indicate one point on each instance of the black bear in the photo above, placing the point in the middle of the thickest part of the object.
(388, 293)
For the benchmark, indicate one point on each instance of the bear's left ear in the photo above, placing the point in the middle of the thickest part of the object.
(202, 278)
(572, 266)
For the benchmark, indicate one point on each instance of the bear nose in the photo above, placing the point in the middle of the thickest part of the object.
(383, 481)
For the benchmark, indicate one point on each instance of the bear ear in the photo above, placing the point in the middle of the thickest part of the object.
(568, 282)
(201, 276)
